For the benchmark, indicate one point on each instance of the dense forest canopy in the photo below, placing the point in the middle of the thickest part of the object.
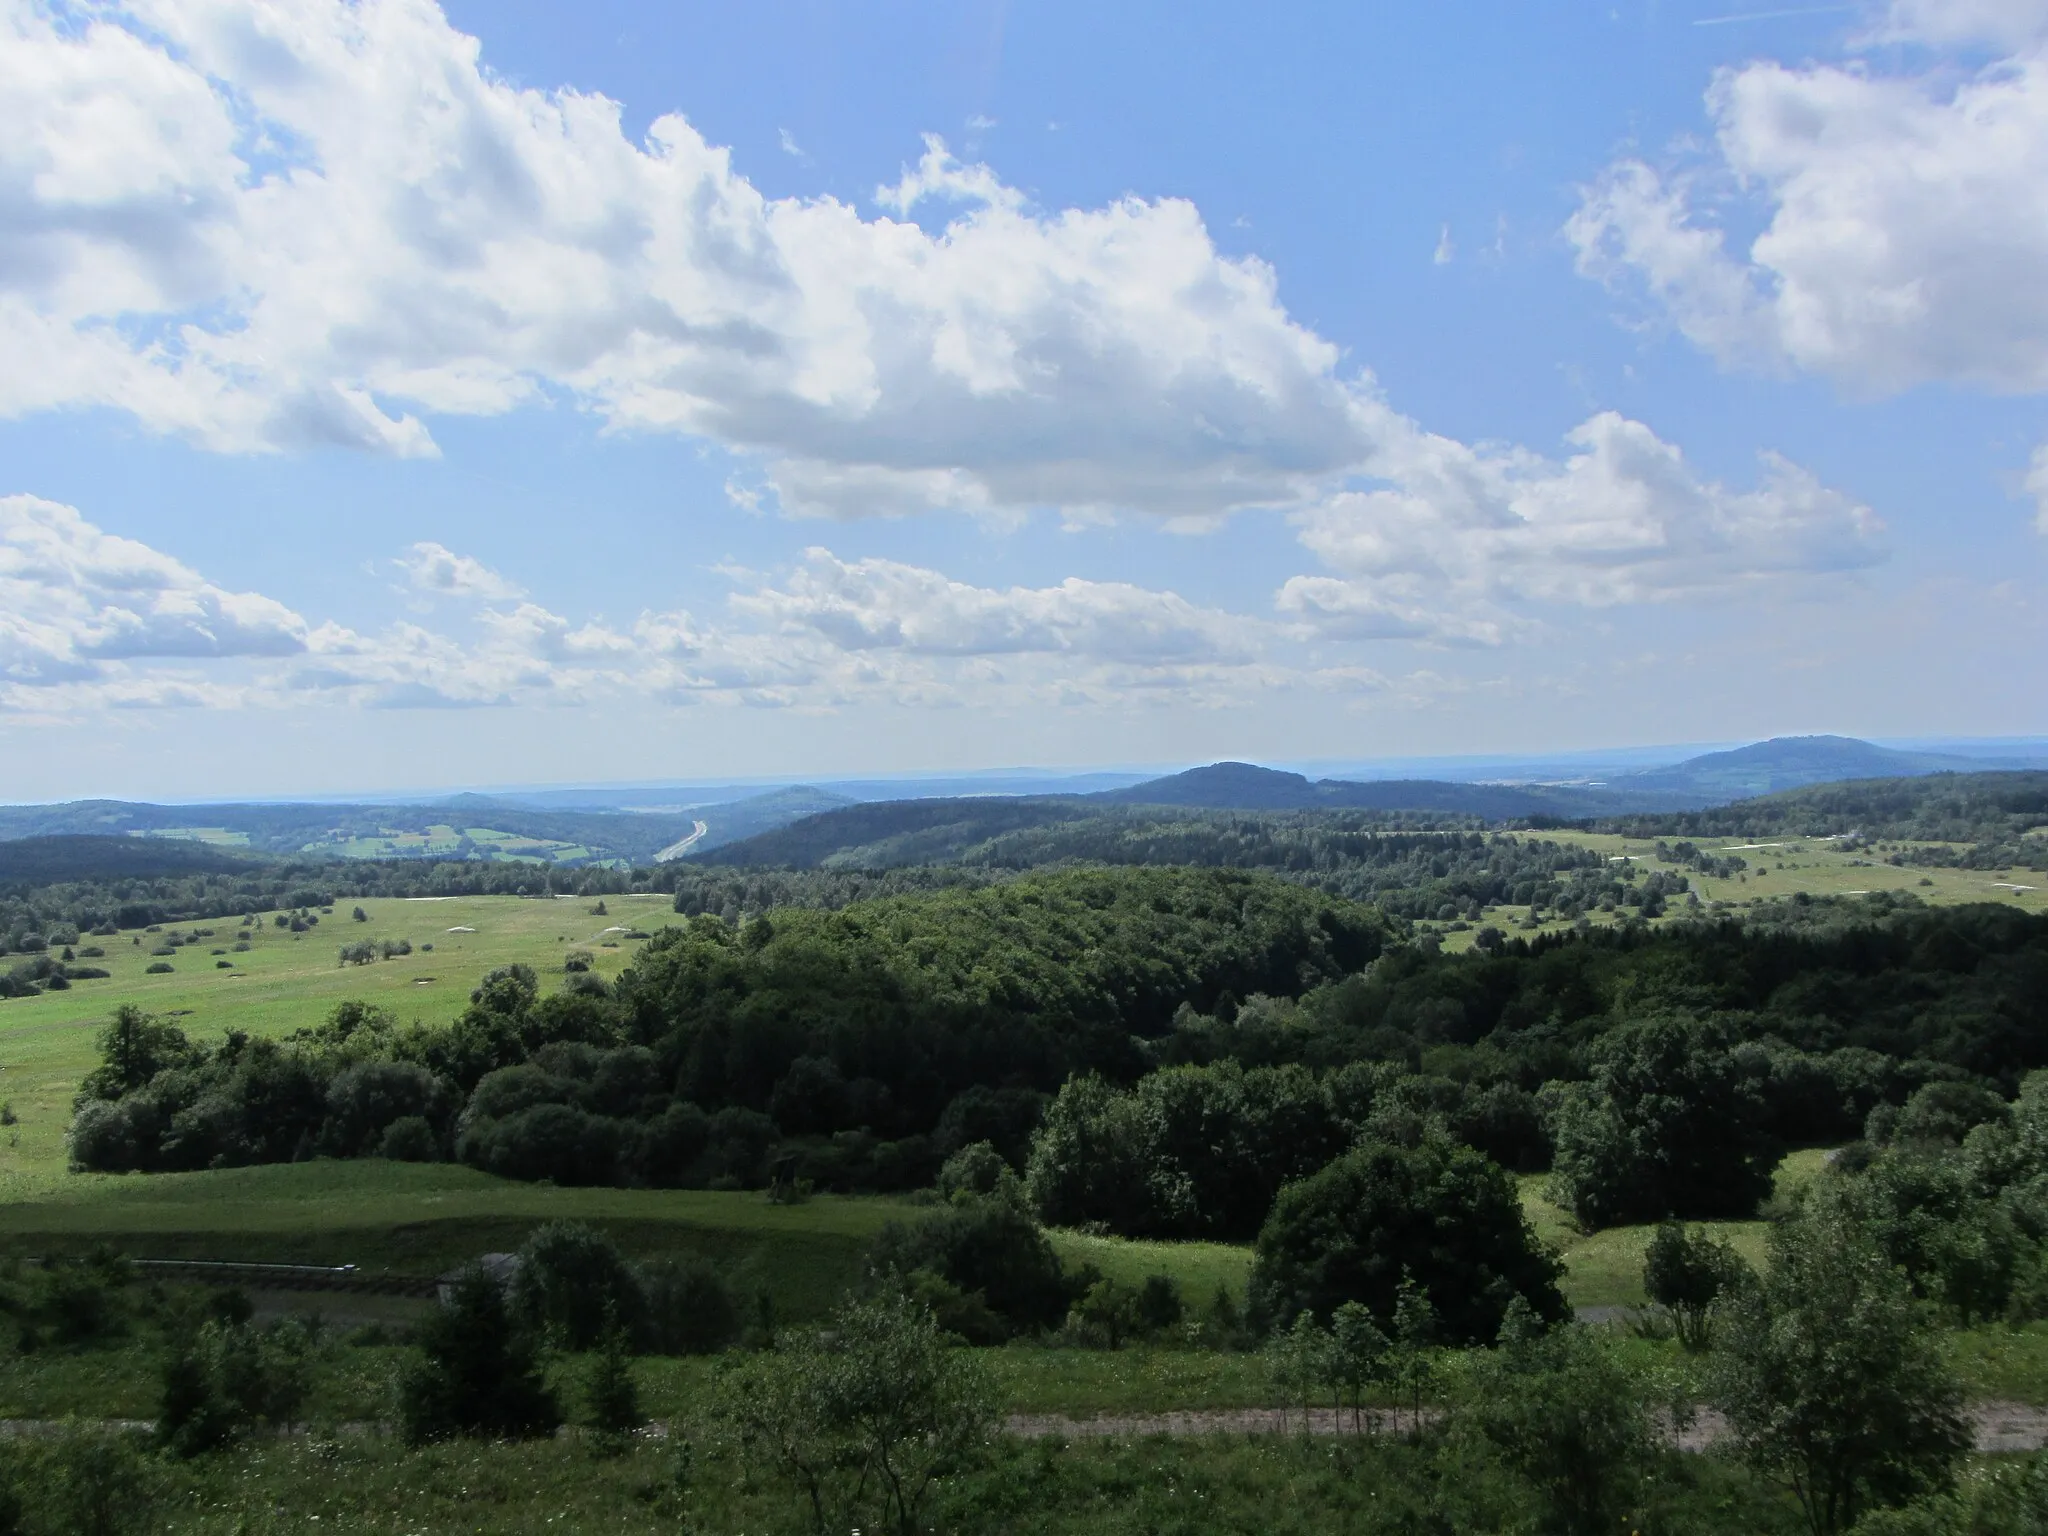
(1238, 1029)
(875, 1023)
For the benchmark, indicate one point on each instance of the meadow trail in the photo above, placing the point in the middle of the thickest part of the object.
(1998, 1428)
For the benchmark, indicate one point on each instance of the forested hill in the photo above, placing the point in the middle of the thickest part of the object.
(1358, 855)
(1982, 808)
(890, 834)
(49, 860)
(1792, 762)
(1248, 787)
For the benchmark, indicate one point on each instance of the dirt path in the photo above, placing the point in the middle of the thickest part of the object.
(1998, 1427)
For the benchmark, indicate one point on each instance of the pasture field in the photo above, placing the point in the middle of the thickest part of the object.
(419, 1219)
(286, 981)
(1778, 868)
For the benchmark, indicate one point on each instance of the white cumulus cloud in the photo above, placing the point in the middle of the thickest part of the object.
(302, 221)
(76, 601)
(1463, 539)
(870, 605)
(435, 569)
(1902, 216)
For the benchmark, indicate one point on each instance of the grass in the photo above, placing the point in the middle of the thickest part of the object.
(1782, 867)
(287, 981)
(1605, 1268)
(422, 1219)
(1273, 1485)
(1200, 1268)
(2002, 1364)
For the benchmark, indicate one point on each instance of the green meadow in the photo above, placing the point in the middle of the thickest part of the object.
(1781, 867)
(285, 981)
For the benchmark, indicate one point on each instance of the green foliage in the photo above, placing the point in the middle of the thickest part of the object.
(1968, 1225)
(979, 1172)
(863, 1419)
(1938, 1113)
(1996, 1500)
(476, 1372)
(1935, 808)
(687, 1309)
(231, 1377)
(1041, 976)
(1436, 1214)
(134, 1048)
(611, 1393)
(1570, 1422)
(63, 1303)
(1688, 1274)
(1190, 1152)
(1830, 1381)
(989, 1249)
(1108, 1315)
(1670, 1125)
(573, 1288)
(80, 1482)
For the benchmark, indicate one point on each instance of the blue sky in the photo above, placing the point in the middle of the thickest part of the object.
(400, 396)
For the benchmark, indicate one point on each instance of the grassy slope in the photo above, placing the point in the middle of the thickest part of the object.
(1816, 867)
(286, 982)
(1605, 1269)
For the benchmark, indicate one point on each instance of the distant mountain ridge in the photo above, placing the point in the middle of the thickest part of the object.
(894, 833)
(87, 856)
(804, 825)
(1248, 787)
(1793, 762)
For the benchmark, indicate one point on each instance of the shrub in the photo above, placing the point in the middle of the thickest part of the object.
(158, 968)
(986, 1248)
(611, 1394)
(863, 1418)
(84, 1482)
(476, 1372)
(1159, 1304)
(64, 1302)
(688, 1310)
(410, 1139)
(978, 1171)
(1568, 1419)
(229, 1378)
(547, 1141)
(1190, 1152)
(1688, 1273)
(1938, 1113)
(1435, 1212)
(572, 1286)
